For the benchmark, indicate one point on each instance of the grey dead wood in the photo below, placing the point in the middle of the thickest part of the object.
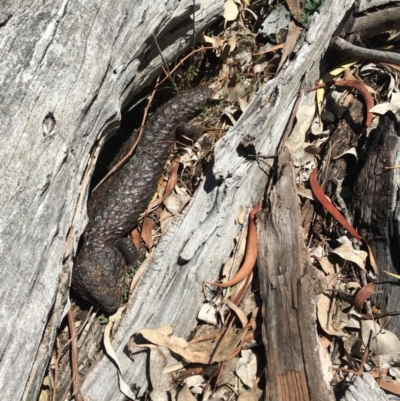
(289, 288)
(376, 210)
(364, 388)
(367, 54)
(374, 17)
(67, 69)
(198, 243)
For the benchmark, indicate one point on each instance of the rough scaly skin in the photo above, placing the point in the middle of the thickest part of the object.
(114, 208)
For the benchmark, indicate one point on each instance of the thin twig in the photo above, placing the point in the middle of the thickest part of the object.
(60, 353)
(166, 69)
(368, 54)
(74, 358)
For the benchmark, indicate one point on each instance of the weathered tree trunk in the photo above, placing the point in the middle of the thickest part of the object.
(289, 287)
(67, 70)
(375, 207)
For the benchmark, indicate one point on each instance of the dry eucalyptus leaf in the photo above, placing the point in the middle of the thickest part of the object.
(352, 151)
(208, 314)
(235, 92)
(243, 104)
(259, 67)
(296, 7)
(253, 394)
(317, 128)
(304, 192)
(162, 385)
(383, 342)
(196, 384)
(304, 118)
(318, 252)
(291, 39)
(231, 10)
(185, 394)
(323, 313)
(295, 142)
(147, 231)
(246, 367)
(347, 252)
(353, 346)
(175, 202)
(162, 336)
(381, 108)
(326, 266)
(216, 41)
(165, 218)
(232, 41)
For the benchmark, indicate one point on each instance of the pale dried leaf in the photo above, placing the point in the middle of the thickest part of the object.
(352, 151)
(162, 384)
(239, 313)
(175, 202)
(235, 92)
(317, 128)
(163, 336)
(384, 342)
(389, 386)
(380, 108)
(253, 394)
(196, 384)
(294, 143)
(243, 57)
(318, 252)
(305, 192)
(165, 218)
(326, 266)
(323, 312)
(185, 394)
(259, 67)
(188, 157)
(243, 104)
(347, 252)
(216, 41)
(231, 10)
(232, 41)
(114, 320)
(291, 39)
(246, 367)
(208, 314)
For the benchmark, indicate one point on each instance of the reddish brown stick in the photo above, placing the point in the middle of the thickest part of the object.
(369, 100)
(74, 358)
(327, 204)
(251, 253)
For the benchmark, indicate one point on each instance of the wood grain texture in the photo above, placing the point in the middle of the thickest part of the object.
(67, 70)
(375, 207)
(289, 292)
